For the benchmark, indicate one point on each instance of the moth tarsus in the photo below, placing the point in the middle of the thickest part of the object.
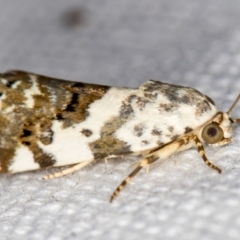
(50, 122)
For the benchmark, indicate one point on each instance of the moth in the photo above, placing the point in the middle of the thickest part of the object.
(51, 122)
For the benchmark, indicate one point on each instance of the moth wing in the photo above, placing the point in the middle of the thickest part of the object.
(161, 113)
(44, 121)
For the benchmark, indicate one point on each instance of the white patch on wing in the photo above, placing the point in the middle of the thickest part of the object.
(30, 92)
(16, 84)
(153, 117)
(2, 98)
(4, 81)
(69, 146)
(23, 160)
(9, 109)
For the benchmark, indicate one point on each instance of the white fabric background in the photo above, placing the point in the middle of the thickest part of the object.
(124, 43)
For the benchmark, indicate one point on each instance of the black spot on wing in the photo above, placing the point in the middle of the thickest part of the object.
(9, 83)
(156, 132)
(187, 130)
(170, 107)
(138, 130)
(73, 103)
(59, 116)
(26, 133)
(26, 143)
(174, 137)
(145, 142)
(78, 85)
(177, 94)
(186, 99)
(86, 132)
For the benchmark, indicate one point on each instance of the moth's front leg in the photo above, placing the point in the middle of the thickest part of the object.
(164, 152)
(201, 152)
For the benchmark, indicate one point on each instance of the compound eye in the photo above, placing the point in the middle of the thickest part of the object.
(212, 133)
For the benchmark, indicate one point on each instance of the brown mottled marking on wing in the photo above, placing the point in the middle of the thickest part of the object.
(156, 132)
(86, 132)
(46, 136)
(56, 100)
(187, 130)
(108, 144)
(177, 94)
(138, 130)
(29, 137)
(175, 136)
(82, 95)
(13, 96)
(164, 107)
(11, 116)
(5, 158)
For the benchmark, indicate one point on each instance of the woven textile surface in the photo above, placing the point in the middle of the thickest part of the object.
(124, 43)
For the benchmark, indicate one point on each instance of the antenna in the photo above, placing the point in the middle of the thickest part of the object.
(229, 112)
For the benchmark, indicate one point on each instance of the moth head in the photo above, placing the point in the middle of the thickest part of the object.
(219, 130)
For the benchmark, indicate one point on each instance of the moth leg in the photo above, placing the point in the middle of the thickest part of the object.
(235, 120)
(124, 182)
(152, 156)
(224, 141)
(147, 169)
(112, 156)
(202, 154)
(67, 171)
(141, 164)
